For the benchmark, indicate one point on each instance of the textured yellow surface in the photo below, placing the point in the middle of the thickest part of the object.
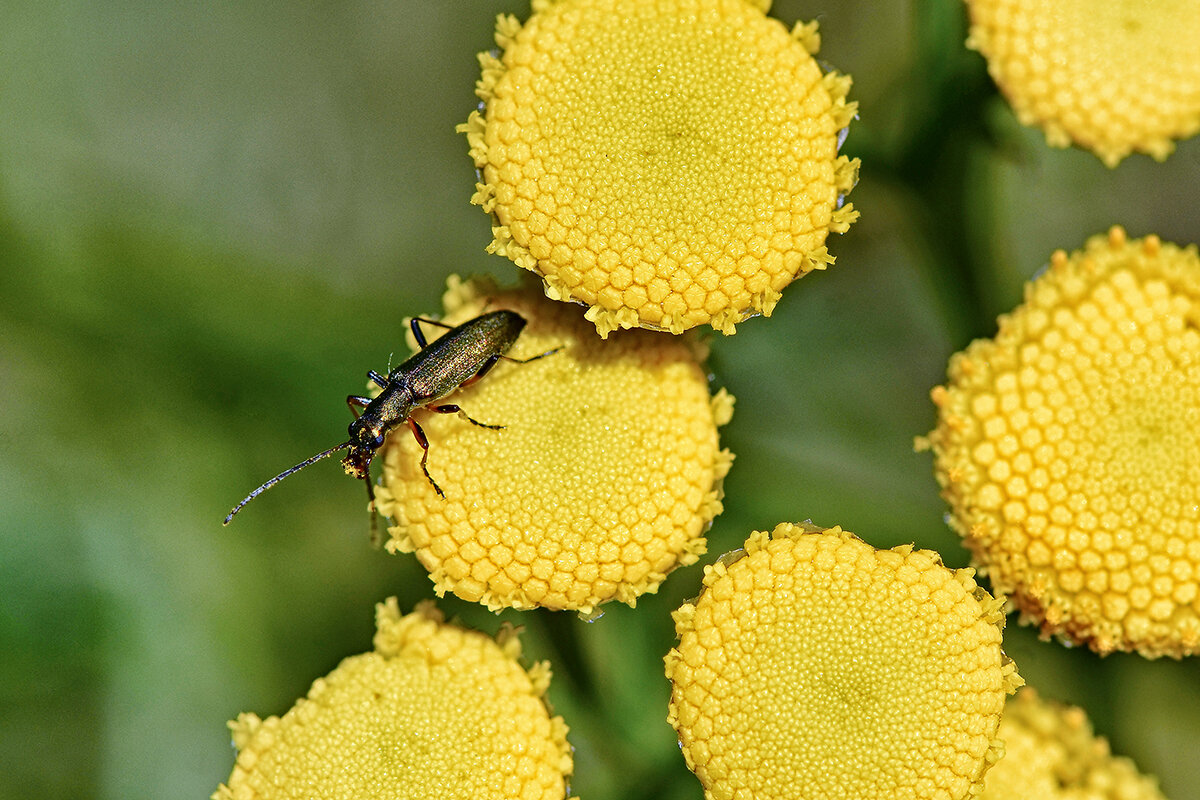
(1068, 447)
(605, 477)
(1051, 753)
(813, 665)
(669, 163)
(435, 712)
(1112, 76)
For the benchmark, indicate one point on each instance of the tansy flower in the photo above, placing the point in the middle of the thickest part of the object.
(604, 478)
(669, 163)
(433, 712)
(1051, 753)
(1068, 448)
(1108, 75)
(813, 665)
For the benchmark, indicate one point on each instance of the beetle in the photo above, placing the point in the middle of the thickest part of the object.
(459, 358)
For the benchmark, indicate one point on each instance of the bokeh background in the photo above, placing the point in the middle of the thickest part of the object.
(214, 218)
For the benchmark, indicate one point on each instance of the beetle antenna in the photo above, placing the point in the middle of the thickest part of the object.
(283, 475)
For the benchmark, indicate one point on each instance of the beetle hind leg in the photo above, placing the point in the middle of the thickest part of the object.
(531, 358)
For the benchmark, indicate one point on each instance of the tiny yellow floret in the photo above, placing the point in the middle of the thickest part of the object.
(1051, 753)
(1068, 448)
(433, 712)
(604, 478)
(814, 665)
(1112, 76)
(668, 163)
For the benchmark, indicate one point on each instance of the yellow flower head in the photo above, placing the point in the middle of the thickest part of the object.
(669, 163)
(813, 665)
(604, 478)
(1109, 75)
(1068, 448)
(1051, 753)
(433, 712)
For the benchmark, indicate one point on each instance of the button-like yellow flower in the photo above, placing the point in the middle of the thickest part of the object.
(669, 163)
(435, 711)
(1068, 448)
(1051, 753)
(813, 665)
(604, 478)
(1109, 75)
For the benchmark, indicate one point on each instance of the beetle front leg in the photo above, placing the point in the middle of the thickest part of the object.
(356, 402)
(376, 536)
(370, 493)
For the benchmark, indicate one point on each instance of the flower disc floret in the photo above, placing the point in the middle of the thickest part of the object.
(1111, 76)
(813, 665)
(669, 163)
(1051, 753)
(1068, 448)
(604, 478)
(434, 712)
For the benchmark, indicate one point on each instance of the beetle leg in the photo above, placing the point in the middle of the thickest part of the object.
(419, 435)
(370, 491)
(376, 537)
(487, 365)
(491, 362)
(450, 408)
(377, 378)
(356, 402)
(419, 335)
(531, 358)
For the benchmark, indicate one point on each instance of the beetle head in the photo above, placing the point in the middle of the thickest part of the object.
(366, 436)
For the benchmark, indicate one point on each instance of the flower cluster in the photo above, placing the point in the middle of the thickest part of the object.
(814, 665)
(669, 164)
(1051, 753)
(1109, 77)
(434, 711)
(1068, 448)
(603, 479)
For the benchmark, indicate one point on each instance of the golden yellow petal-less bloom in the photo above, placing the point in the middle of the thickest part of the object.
(669, 163)
(1051, 753)
(814, 665)
(1068, 448)
(434, 712)
(1112, 76)
(605, 477)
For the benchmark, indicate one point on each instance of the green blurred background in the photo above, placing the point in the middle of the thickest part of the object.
(213, 218)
